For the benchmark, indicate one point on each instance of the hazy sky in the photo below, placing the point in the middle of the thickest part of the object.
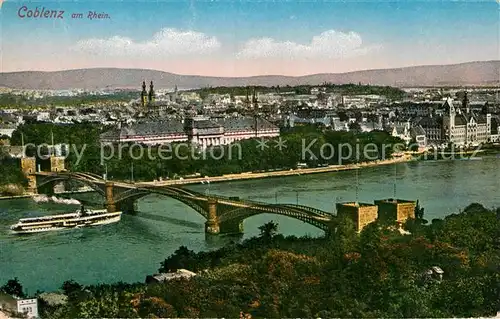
(241, 38)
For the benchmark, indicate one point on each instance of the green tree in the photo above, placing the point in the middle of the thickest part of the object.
(180, 259)
(268, 230)
(413, 145)
(14, 288)
(70, 287)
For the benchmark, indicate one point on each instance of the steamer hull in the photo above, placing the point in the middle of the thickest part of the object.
(81, 219)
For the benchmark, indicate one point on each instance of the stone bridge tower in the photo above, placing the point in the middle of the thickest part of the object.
(57, 164)
(28, 166)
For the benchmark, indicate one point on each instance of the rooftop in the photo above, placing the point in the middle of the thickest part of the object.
(395, 201)
(246, 123)
(437, 270)
(181, 273)
(146, 128)
(356, 204)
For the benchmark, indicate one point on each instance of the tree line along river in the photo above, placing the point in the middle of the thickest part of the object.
(134, 247)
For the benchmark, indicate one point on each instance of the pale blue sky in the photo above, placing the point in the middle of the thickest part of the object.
(249, 37)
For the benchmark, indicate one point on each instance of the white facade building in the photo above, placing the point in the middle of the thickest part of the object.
(402, 131)
(28, 307)
(201, 131)
(10, 304)
(463, 127)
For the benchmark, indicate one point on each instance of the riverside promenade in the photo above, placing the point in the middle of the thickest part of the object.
(31, 195)
(246, 175)
(28, 195)
(291, 172)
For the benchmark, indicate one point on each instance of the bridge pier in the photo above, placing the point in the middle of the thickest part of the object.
(47, 189)
(127, 206)
(212, 223)
(59, 187)
(110, 202)
(231, 227)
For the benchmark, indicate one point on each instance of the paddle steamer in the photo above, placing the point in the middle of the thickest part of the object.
(81, 218)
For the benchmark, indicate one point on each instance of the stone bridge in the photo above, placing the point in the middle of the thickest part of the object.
(223, 214)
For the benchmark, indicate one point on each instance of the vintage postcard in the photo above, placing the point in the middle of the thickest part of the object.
(249, 158)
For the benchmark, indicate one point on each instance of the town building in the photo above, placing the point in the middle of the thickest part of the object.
(463, 127)
(433, 273)
(433, 128)
(495, 129)
(163, 277)
(321, 117)
(13, 305)
(146, 132)
(402, 131)
(459, 125)
(6, 129)
(199, 130)
(418, 135)
(203, 131)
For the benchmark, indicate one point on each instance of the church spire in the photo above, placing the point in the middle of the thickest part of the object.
(254, 98)
(144, 94)
(465, 103)
(151, 95)
(52, 150)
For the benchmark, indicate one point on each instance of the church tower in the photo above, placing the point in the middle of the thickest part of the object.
(144, 95)
(449, 125)
(254, 99)
(151, 95)
(465, 103)
(451, 111)
(247, 99)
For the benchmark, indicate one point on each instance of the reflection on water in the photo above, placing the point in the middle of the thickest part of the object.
(171, 220)
(134, 247)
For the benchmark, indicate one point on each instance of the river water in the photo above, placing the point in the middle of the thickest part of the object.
(133, 248)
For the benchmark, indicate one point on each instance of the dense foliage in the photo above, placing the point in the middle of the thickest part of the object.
(10, 171)
(82, 138)
(326, 147)
(40, 133)
(378, 273)
(14, 288)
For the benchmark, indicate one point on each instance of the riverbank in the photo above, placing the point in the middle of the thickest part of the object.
(16, 197)
(315, 268)
(291, 172)
(31, 195)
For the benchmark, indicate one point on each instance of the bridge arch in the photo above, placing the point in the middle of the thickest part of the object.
(217, 210)
(238, 215)
(56, 178)
(133, 195)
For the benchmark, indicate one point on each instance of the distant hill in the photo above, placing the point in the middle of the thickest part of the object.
(485, 73)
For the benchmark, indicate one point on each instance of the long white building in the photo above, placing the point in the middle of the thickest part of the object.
(201, 131)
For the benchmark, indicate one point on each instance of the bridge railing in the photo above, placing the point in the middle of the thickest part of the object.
(179, 191)
(311, 209)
